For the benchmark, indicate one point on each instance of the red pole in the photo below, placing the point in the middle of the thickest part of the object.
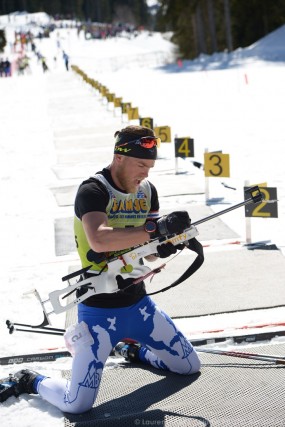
(266, 358)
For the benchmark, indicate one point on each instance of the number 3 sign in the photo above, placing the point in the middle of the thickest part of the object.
(217, 164)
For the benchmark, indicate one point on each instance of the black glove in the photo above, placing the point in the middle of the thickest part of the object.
(166, 249)
(174, 223)
(123, 283)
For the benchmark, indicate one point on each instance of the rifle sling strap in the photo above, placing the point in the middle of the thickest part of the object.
(194, 246)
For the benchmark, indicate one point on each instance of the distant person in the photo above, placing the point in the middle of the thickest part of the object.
(1, 68)
(7, 68)
(44, 64)
(116, 209)
(66, 60)
(23, 64)
(180, 63)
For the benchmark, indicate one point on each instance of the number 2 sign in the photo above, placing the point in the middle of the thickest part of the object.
(263, 209)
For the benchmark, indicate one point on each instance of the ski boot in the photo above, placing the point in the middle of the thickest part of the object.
(128, 350)
(8, 388)
(18, 383)
(26, 379)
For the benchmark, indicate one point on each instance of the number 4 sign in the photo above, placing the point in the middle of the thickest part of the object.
(184, 147)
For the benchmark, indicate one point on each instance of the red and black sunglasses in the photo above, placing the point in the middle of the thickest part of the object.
(144, 141)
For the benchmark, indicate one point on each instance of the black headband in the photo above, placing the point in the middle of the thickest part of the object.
(126, 145)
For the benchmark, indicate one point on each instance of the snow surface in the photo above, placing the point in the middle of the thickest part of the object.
(230, 102)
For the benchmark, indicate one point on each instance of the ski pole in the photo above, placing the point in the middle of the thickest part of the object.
(266, 358)
(32, 328)
(42, 331)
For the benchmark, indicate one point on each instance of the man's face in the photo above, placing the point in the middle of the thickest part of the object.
(131, 171)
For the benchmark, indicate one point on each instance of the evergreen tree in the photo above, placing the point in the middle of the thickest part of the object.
(198, 26)
(253, 19)
(206, 26)
(2, 40)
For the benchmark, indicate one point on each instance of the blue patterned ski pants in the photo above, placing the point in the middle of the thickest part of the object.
(98, 331)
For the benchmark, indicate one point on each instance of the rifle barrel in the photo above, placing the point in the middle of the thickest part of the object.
(208, 218)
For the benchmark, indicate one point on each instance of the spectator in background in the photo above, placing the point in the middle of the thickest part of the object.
(66, 60)
(23, 64)
(44, 64)
(1, 68)
(5, 68)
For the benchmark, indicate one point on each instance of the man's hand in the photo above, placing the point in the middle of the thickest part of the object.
(166, 249)
(174, 223)
(123, 283)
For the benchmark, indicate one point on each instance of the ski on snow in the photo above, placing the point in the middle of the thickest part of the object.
(34, 357)
(52, 356)
(239, 339)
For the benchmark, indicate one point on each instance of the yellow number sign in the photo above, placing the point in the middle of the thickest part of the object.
(117, 102)
(125, 106)
(217, 164)
(263, 209)
(164, 132)
(133, 113)
(184, 147)
(147, 122)
(104, 90)
(110, 97)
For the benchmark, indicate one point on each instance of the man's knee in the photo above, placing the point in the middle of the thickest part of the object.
(196, 365)
(190, 366)
(78, 408)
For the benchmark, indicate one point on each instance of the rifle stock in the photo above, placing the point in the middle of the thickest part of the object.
(120, 264)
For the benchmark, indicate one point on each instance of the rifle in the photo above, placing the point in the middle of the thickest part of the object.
(122, 262)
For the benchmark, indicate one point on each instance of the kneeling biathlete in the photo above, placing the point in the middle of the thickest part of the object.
(116, 209)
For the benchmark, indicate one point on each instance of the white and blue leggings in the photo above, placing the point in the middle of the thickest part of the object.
(98, 331)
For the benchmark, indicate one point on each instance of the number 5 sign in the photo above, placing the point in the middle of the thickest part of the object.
(217, 164)
(164, 133)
